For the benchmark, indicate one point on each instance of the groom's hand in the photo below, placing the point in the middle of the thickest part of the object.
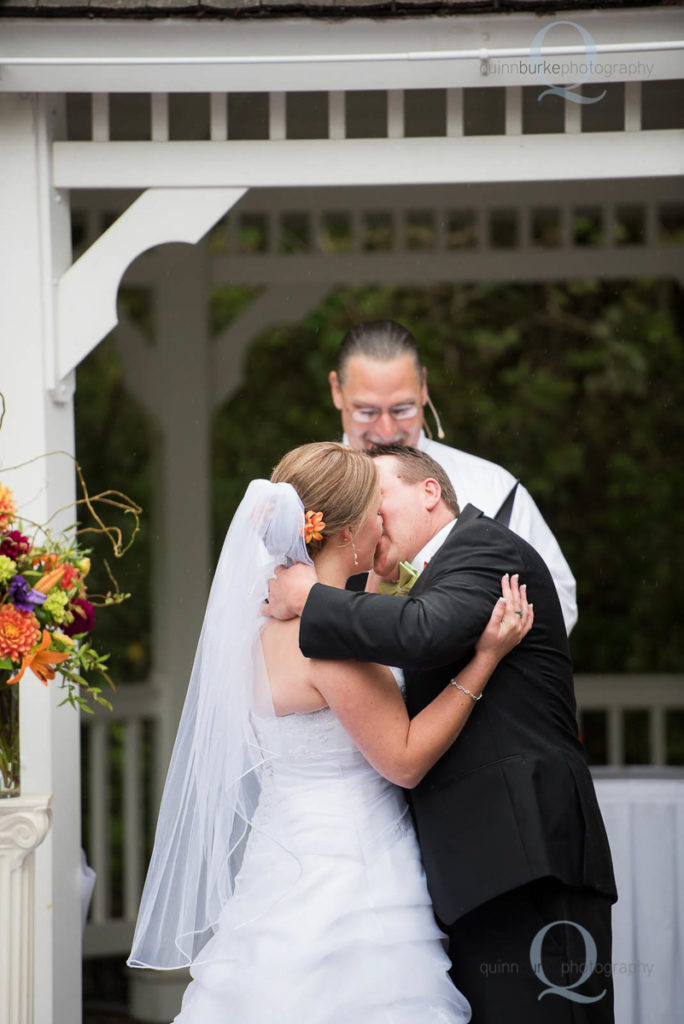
(288, 591)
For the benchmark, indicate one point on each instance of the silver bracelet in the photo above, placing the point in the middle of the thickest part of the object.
(452, 682)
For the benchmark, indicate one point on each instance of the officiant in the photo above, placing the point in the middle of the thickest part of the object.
(380, 387)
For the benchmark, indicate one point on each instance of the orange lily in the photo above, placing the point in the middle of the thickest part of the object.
(40, 661)
(49, 580)
(313, 526)
(47, 560)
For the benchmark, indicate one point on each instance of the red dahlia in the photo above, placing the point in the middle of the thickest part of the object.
(84, 617)
(15, 545)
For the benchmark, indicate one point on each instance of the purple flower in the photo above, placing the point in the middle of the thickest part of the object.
(22, 596)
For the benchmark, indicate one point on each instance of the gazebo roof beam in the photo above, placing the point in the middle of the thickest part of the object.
(427, 268)
(337, 162)
(298, 55)
(533, 193)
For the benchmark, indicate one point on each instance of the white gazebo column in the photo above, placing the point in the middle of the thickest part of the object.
(167, 380)
(34, 250)
(24, 822)
(173, 381)
(182, 503)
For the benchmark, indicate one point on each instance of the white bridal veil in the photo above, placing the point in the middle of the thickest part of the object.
(213, 783)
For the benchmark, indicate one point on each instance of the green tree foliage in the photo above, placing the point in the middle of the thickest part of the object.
(576, 388)
(114, 447)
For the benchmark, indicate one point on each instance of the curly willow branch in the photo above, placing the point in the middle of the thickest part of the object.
(113, 498)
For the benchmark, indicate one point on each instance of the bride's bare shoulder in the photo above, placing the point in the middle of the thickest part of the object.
(289, 672)
(278, 637)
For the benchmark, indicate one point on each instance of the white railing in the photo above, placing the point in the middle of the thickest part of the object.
(114, 746)
(616, 695)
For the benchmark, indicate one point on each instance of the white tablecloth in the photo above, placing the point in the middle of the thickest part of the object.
(644, 817)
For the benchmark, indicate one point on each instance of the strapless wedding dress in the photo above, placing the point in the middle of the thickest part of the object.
(331, 921)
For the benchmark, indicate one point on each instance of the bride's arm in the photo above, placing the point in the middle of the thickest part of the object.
(367, 701)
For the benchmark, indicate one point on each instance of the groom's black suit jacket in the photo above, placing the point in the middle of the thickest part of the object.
(512, 800)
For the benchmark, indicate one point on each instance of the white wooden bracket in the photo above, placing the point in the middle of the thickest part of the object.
(86, 293)
(277, 305)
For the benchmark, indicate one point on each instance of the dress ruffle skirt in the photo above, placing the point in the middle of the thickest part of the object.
(330, 921)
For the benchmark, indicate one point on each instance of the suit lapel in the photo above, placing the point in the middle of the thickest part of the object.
(469, 513)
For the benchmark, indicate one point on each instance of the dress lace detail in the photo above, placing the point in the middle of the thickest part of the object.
(311, 734)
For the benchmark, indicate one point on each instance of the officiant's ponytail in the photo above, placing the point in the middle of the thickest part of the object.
(382, 340)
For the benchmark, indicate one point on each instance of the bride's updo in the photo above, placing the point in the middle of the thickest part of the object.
(330, 478)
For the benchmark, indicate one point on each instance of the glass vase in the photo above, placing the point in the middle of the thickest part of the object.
(10, 772)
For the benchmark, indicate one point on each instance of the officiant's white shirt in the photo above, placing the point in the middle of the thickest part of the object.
(486, 485)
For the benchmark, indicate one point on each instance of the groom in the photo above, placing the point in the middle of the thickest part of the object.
(515, 852)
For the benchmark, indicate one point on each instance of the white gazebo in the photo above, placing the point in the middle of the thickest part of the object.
(150, 122)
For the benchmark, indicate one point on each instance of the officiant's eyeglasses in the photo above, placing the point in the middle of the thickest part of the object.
(407, 411)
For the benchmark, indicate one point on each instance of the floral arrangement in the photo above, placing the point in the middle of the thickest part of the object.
(46, 611)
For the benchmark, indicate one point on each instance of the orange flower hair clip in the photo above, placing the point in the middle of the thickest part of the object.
(313, 526)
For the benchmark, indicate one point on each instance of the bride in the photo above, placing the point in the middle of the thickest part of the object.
(286, 870)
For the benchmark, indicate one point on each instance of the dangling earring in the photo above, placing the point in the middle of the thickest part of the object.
(356, 557)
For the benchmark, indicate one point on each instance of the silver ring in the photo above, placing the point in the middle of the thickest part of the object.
(518, 613)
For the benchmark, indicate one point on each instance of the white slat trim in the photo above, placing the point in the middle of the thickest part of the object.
(218, 117)
(337, 125)
(132, 817)
(573, 117)
(514, 110)
(100, 116)
(395, 114)
(454, 112)
(160, 116)
(99, 784)
(277, 124)
(616, 736)
(652, 226)
(632, 106)
(656, 723)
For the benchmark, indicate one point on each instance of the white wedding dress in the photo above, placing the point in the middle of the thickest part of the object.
(331, 921)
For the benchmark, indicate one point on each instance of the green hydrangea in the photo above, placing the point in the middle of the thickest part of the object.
(55, 605)
(8, 568)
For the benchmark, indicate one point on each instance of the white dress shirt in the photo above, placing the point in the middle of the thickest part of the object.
(485, 485)
(419, 562)
(432, 547)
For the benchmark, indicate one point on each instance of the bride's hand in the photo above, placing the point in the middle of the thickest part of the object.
(288, 591)
(510, 621)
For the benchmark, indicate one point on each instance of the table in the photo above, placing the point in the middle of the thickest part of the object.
(643, 811)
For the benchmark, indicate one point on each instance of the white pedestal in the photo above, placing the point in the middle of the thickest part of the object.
(24, 823)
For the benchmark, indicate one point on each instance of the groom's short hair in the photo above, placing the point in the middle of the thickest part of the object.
(416, 466)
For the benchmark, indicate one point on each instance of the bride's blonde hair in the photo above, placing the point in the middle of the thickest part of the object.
(330, 478)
